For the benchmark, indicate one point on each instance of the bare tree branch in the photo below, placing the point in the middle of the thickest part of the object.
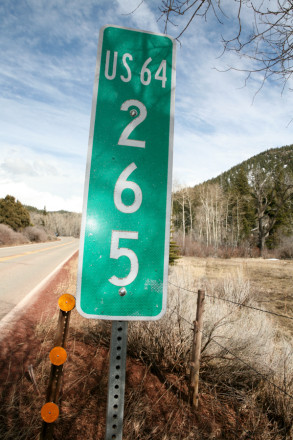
(134, 10)
(269, 44)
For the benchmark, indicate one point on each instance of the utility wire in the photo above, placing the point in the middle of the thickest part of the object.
(234, 302)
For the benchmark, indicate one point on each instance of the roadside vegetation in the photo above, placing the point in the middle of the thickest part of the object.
(246, 375)
(20, 224)
(247, 211)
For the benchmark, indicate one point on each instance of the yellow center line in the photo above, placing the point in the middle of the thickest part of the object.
(33, 252)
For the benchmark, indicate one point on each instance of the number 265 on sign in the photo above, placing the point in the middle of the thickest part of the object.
(124, 246)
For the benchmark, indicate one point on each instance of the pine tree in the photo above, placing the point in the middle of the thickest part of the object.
(13, 213)
(174, 250)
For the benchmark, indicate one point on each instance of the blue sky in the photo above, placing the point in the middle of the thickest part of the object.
(48, 57)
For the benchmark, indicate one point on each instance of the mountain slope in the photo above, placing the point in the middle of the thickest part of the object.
(267, 160)
(251, 204)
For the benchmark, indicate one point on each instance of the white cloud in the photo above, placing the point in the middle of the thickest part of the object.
(34, 197)
(48, 55)
(218, 122)
(139, 14)
(28, 176)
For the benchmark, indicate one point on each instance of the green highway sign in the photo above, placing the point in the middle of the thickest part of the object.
(124, 246)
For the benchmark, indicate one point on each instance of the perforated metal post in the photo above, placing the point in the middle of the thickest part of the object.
(116, 383)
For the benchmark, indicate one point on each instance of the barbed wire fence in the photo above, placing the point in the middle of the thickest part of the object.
(234, 302)
(227, 350)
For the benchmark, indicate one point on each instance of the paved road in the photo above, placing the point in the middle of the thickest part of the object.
(22, 268)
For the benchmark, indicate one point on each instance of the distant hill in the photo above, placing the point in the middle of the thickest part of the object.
(249, 205)
(268, 160)
(44, 211)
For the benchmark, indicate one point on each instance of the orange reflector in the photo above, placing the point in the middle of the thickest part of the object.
(50, 412)
(58, 355)
(66, 302)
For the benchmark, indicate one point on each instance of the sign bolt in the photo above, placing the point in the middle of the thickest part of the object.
(133, 112)
(122, 291)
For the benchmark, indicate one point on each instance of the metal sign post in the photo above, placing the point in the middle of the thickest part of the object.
(116, 384)
(124, 245)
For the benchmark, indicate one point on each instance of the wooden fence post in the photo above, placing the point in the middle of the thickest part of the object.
(196, 348)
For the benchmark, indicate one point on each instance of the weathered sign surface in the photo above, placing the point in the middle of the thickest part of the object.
(124, 250)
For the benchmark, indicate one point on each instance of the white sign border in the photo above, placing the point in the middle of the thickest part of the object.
(87, 178)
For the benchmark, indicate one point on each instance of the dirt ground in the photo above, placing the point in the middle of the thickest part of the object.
(155, 403)
(28, 341)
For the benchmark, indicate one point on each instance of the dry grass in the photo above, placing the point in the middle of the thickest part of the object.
(253, 338)
(270, 280)
(235, 401)
(258, 354)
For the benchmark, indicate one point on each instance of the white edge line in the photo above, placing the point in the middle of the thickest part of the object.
(19, 308)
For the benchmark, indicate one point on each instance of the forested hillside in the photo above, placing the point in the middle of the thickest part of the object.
(245, 209)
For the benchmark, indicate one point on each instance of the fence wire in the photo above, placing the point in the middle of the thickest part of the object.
(234, 302)
(240, 360)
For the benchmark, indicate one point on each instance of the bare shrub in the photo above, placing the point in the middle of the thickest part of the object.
(35, 234)
(279, 405)
(234, 399)
(194, 247)
(225, 321)
(9, 237)
(285, 248)
(241, 348)
(168, 342)
(242, 352)
(243, 251)
(163, 345)
(63, 224)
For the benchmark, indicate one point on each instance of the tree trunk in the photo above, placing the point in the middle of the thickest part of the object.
(261, 236)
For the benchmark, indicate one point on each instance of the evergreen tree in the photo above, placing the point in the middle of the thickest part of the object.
(272, 191)
(13, 213)
(250, 203)
(241, 199)
(174, 251)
